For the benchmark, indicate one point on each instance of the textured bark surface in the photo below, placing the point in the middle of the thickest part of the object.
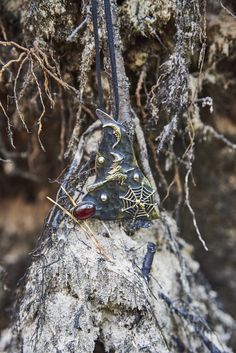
(83, 292)
(75, 299)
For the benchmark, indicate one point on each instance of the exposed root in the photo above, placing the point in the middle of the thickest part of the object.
(42, 103)
(218, 136)
(177, 181)
(144, 153)
(171, 91)
(87, 58)
(14, 44)
(33, 56)
(15, 92)
(9, 63)
(9, 130)
(72, 36)
(89, 112)
(4, 34)
(63, 129)
(207, 129)
(227, 10)
(187, 201)
(50, 73)
(47, 91)
(138, 90)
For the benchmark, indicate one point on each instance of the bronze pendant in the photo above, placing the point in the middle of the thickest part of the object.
(120, 191)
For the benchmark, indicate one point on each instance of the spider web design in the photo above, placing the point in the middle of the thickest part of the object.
(138, 202)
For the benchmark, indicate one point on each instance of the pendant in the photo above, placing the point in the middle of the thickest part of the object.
(120, 191)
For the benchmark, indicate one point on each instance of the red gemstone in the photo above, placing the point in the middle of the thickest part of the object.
(84, 210)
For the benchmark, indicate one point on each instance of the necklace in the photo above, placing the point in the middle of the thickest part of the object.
(120, 190)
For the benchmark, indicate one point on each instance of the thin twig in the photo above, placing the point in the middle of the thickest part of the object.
(61, 82)
(76, 30)
(3, 30)
(10, 134)
(187, 201)
(209, 129)
(42, 103)
(15, 92)
(9, 63)
(14, 44)
(140, 83)
(85, 227)
(219, 136)
(47, 90)
(227, 10)
(63, 130)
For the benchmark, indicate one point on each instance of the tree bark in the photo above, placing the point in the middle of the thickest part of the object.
(85, 290)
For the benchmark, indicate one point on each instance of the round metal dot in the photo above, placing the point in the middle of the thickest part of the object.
(136, 176)
(101, 160)
(104, 197)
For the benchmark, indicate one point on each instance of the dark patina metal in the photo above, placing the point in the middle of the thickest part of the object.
(120, 191)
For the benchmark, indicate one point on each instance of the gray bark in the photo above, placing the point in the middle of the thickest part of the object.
(75, 298)
(86, 293)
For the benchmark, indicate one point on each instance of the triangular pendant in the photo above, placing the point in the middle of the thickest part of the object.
(120, 191)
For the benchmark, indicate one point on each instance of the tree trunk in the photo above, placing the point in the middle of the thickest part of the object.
(88, 288)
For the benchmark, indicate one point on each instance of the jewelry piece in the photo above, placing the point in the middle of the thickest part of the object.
(138, 202)
(120, 190)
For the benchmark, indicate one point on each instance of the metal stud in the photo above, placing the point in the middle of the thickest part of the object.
(104, 197)
(136, 176)
(101, 160)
